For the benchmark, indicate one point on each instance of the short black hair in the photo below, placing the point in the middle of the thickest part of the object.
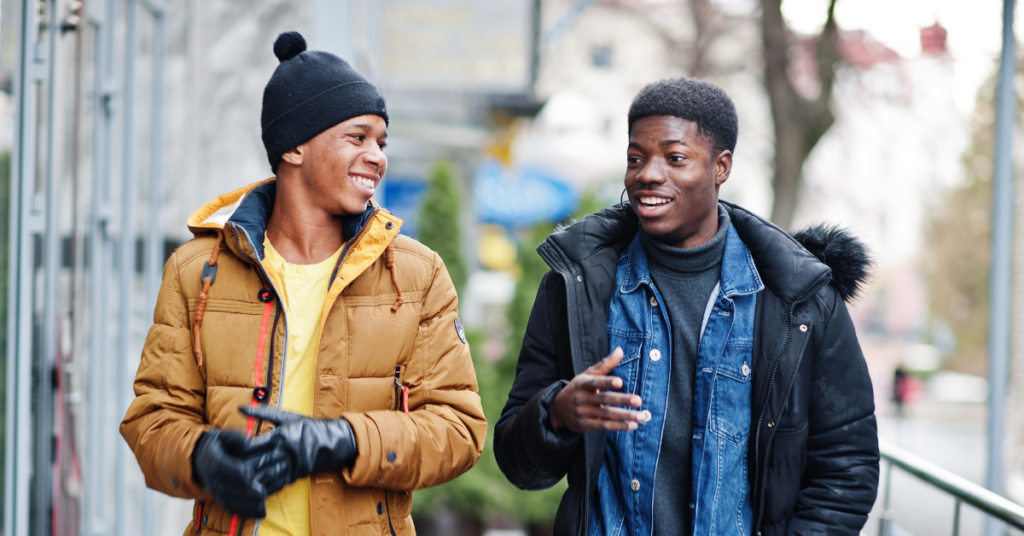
(695, 100)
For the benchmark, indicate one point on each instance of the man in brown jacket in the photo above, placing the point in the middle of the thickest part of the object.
(298, 302)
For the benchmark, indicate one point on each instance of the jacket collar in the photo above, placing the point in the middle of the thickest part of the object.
(246, 211)
(782, 265)
(739, 275)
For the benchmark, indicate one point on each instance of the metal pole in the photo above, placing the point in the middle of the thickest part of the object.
(956, 518)
(18, 438)
(154, 238)
(126, 270)
(99, 275)
(885, 516)
(1002, 248)
(48, 347)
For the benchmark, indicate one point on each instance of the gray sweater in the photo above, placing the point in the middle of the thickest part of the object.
(685, 279)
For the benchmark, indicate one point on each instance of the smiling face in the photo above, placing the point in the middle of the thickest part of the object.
(672, 180)
(342, 166)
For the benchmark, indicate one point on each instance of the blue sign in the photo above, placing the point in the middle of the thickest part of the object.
(403, 196)
(520, 197)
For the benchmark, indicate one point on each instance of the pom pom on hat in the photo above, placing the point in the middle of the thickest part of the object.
(289, 45)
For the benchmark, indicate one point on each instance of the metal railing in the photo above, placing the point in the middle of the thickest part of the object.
(962, 490)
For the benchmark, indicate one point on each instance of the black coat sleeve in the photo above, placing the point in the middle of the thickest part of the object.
(528, 450)
(840, 480)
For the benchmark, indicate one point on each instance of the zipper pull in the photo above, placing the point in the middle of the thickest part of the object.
(401, 392)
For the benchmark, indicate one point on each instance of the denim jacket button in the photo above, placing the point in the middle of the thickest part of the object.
(803, 328)
(646, 415)
(655, 354)
(634, 485)
(745, 370)
(654, 301)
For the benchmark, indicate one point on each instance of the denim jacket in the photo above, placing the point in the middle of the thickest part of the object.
(638, 323)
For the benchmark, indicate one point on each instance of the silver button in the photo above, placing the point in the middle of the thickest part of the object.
(655, 354)
(634, 485)
(745, 370)
(579, 278)
(803, 327)
(646, 414)
(771, 424)
(654, 301)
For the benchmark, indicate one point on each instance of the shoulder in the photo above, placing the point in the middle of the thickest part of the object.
(192, 254)
(409, 252)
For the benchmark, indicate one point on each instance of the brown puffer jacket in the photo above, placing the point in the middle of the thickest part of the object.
(390, 305)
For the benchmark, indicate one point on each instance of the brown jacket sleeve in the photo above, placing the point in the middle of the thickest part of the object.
(167, 416)
(443, 435)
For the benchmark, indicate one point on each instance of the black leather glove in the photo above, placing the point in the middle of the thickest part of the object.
(299, 446)
(223, 464)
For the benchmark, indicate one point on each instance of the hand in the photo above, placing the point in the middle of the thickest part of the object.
(586, 404)
(221, 466)
(299, 446)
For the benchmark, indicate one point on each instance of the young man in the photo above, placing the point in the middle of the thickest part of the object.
(736, 399)
(299, 302)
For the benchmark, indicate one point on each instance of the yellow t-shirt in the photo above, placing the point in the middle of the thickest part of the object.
(303, 290)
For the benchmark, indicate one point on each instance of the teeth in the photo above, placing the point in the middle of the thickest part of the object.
(363, 181)
(653, 200)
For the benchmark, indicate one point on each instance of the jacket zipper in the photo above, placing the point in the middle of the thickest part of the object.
(270, 366)
(768, 395)
(388, 506)
(270, 281)
(348, 245)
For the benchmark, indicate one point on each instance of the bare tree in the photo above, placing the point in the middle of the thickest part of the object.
(800, 118)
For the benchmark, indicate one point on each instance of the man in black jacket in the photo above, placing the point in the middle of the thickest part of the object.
(638, 435)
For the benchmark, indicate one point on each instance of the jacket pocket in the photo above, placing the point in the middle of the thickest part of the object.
(730, 399)
(628, 369)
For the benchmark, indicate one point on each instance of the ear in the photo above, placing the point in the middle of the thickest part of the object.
(296, 155)
(722, 167)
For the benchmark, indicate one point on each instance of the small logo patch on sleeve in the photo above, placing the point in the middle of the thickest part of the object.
(460, 330)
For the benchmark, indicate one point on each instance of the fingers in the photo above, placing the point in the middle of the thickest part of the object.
(604, 366)
(231, 442)
(272, 415)
(609, 426)
(591, 383)
(606, 398)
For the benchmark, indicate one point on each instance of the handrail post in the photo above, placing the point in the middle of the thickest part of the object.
(956, 517)
(884, 517)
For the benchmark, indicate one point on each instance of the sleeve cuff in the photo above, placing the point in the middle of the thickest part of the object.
(552, 439)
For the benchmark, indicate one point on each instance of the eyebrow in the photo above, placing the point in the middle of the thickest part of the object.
(664, 143)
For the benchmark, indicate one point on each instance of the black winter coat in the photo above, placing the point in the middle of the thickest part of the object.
(813, 451)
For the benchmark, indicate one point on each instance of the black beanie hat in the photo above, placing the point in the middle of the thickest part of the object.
(310, 92)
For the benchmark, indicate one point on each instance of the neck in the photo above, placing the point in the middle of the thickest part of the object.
(301, 231)
(705, 232)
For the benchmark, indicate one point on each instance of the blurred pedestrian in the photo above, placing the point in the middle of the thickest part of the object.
(735, 399)
(899, 389)
(299, 302)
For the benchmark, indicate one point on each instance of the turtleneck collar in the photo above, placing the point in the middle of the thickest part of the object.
(692, 260)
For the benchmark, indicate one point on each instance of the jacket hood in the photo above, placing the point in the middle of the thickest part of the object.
(791, 266)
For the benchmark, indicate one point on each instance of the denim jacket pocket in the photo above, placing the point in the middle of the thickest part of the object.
(628, 369)
(730, 401)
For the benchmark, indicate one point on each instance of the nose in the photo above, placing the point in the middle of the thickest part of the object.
(375, 156)
(652, 173)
